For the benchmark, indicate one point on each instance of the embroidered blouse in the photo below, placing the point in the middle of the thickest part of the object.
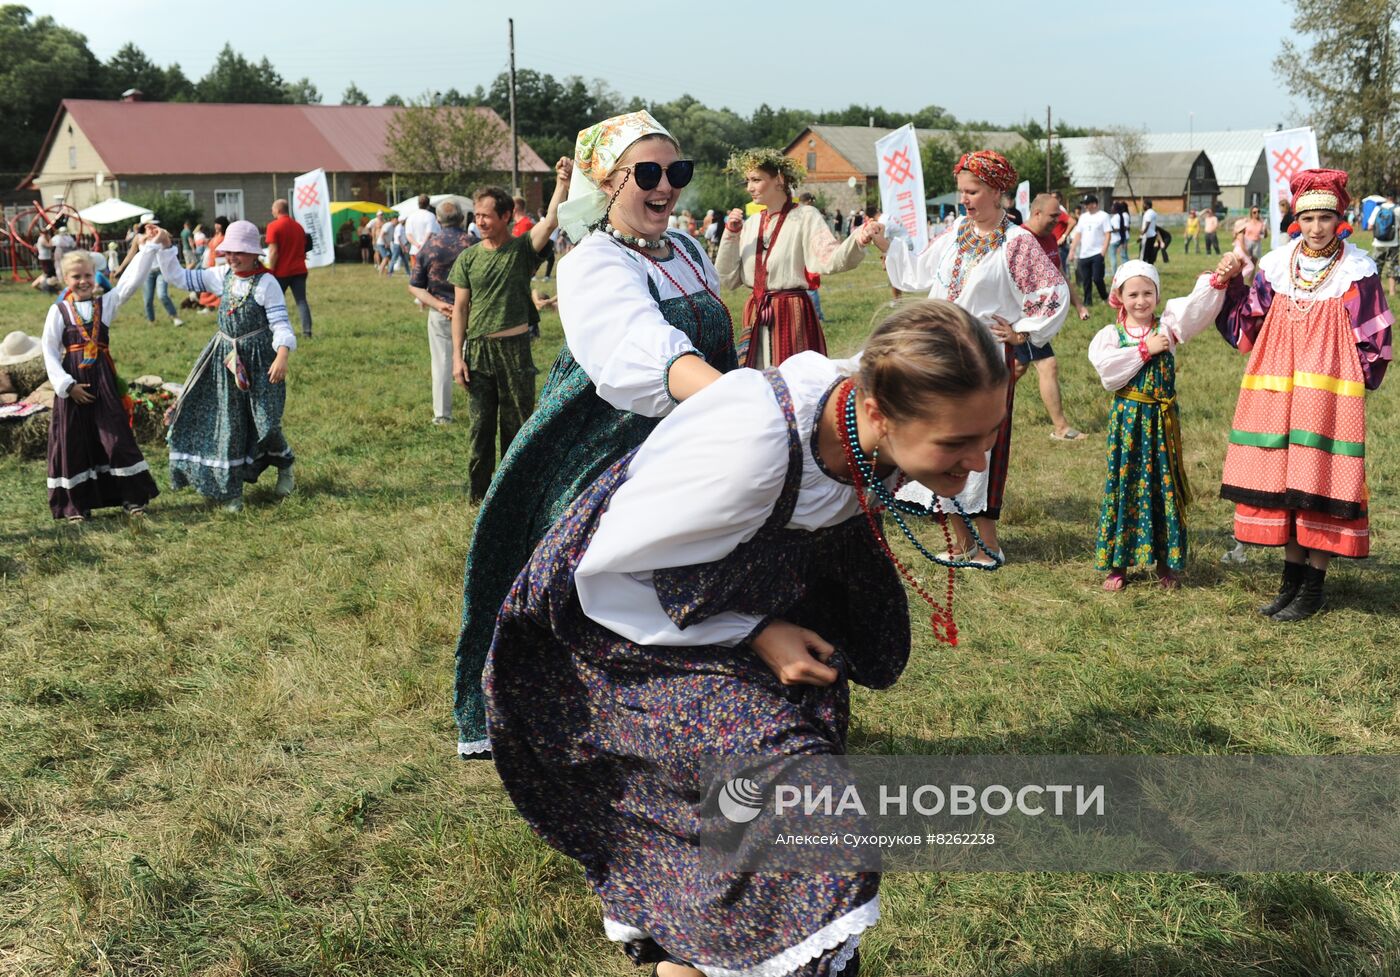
(1016, 281)
(691, 498)
(805, 244)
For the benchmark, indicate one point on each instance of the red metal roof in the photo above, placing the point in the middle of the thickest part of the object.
(140, 138)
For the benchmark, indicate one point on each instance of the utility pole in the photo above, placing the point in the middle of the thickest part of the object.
(514, 136)
(1047, 149)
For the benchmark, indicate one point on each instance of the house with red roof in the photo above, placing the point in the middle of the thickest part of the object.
(233, 159)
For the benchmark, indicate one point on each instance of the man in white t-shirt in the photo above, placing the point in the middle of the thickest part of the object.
(1147, 237)
(1090, 242)
(420, 224)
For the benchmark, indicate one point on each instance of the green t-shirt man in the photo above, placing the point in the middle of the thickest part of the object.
(499, 281)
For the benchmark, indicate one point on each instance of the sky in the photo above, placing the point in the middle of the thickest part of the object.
(1167, 67)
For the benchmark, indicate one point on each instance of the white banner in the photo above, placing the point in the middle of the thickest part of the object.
(1023, 199)
(311, 208)
(902, 187)
(1285, 153)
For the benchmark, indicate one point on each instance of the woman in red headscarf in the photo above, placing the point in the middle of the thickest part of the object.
(997, 271)
(1316, 325)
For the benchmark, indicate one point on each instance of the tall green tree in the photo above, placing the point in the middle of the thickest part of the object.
(233, 78)
(302, 92)
(1348, 77)
(130, 68)
(353, 96)
(41, 63)
(444, 148)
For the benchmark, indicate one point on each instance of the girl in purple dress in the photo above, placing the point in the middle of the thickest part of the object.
(714, 593)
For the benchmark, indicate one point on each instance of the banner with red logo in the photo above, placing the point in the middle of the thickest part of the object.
(311, 208)
(1285, 153)
(902, 187)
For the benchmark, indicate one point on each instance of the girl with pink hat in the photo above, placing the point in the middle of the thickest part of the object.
(226, 428)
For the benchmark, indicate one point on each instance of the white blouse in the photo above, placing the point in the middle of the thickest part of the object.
(52, 338)
(268, 293)
(706, 480)
(1182, 319)
(1016, 282)
(805, 244)
(613, 325)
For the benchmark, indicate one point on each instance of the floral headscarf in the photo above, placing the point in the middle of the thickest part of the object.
(992, 168)
(596, 152)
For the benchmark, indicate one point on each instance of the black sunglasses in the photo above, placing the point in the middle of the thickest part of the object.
(648, 174)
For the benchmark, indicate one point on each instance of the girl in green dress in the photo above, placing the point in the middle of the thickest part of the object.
(1142, 520)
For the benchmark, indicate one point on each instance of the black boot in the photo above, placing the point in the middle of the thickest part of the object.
(1288, 589)
(1309, 600)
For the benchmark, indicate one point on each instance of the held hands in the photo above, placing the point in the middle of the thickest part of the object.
(797, 656)
(158, 234)
(1002, 330)
(80, 394)
(564, 172)
(1229, 266)
(868, 232)
(277, 372)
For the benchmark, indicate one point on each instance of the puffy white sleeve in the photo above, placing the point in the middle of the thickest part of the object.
(616, 331)
(1192, 314)
(129, 283)
(1116, 365)
(189, 279)
(910, 272)
(1040, 289)
(689, 498)
(822, 253)
(270, 297)
(52, 342)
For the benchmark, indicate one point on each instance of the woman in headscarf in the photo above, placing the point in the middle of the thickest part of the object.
(998, 272)
(644, 328)
(773, 252)
(1317, 327)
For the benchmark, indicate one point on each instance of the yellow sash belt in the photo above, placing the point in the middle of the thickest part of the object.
(1172, 428)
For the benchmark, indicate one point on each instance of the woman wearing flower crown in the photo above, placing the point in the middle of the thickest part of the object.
(644, 328)
(997, 271)
(773, 252)
(700, 602)
(1315, 322)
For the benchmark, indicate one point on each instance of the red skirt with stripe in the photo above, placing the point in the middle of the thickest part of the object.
(781, 324)
(1296, 463)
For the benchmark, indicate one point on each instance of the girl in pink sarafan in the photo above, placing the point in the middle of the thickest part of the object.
(94, 461)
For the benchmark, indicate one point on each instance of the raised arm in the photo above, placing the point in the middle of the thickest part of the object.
(1192, 314)
(563, 174)
(823, 254)
(189, 279)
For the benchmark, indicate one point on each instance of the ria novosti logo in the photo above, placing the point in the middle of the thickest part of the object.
(741, 800)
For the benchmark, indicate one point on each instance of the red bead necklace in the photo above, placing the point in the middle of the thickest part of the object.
(945, 629)
(699, 275)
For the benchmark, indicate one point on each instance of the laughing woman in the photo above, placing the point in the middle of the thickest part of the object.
(1316, 325)
(701, 601)
(644, 328)
(998, 272)
(773, 252)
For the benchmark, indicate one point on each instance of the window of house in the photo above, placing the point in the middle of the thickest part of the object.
(229, 203)
(187, 194)
(811, 162)
(72, 157)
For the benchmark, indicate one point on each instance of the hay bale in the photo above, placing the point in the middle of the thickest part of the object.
(27, 376)
(27, 437)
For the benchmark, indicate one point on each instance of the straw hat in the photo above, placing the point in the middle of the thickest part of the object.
(18, 347)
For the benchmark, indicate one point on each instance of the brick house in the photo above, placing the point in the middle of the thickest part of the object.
(841, 164)
(230, 159)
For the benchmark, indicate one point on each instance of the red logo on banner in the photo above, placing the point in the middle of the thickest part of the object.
(897, 167)
(307, 196)
(1288, 162)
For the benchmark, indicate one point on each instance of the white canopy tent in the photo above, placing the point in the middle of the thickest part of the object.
(408, 206)
(111, 211)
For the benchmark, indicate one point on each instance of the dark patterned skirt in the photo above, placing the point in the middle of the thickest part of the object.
(94, 461)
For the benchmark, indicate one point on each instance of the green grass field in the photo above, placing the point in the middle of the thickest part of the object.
(227, 747)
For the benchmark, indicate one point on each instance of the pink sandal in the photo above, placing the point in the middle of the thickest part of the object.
(1116, 580)
(1168, 580)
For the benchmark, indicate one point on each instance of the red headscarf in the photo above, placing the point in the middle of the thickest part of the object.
(990, 167)
(1319, 190)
